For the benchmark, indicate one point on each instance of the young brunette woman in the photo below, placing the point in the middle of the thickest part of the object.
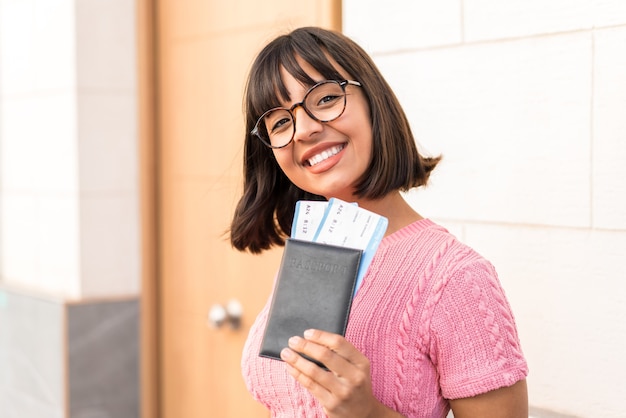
(430, 328)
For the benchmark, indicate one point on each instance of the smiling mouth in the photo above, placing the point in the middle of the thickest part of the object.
(324, 155)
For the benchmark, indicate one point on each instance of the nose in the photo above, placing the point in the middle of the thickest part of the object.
(305, 126)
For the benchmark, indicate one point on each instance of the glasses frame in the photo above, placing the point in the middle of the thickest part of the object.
(342, 83)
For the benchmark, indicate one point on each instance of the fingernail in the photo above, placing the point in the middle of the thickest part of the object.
(308, 333)
(294, 341)
(286, 354)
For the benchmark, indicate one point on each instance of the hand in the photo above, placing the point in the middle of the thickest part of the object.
(345, 390)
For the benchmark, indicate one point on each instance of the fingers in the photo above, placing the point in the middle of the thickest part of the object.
(320, 353)
(332, 350)
(335, 343)
(310, 376)
(346, 386)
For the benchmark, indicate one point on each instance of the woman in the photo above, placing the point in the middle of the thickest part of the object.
(430, 328)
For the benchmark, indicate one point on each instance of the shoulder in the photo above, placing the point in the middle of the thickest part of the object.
(472, 330)
(421, 239)
(427, 261)
(444, 254)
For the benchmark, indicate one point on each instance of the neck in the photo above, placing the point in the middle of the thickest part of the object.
(394, 208)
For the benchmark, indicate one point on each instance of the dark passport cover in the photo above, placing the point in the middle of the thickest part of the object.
(313, 290)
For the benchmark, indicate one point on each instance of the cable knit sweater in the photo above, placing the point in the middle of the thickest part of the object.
(431, 317)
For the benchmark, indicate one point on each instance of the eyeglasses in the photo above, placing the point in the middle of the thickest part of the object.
(324, 102)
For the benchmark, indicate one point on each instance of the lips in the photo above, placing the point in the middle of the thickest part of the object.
(324, 155)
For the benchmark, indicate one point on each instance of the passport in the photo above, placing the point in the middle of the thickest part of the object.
(313, 289)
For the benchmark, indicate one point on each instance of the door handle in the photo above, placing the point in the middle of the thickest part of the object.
(231, 313)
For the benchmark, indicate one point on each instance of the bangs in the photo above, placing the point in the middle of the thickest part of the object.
(266, 89)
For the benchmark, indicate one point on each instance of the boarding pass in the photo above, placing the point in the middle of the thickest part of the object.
(340, 223)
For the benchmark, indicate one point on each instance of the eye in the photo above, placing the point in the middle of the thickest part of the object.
(328, 100)
(278, 121)
(324, 96)
(280, 125)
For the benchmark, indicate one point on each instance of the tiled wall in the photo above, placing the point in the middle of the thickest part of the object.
(68, 147)
(526, 100)
(68, 360)
(69, 221)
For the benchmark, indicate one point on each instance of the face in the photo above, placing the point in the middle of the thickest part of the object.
(329, 158)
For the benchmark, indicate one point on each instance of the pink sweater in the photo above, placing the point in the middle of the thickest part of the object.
(431, 317)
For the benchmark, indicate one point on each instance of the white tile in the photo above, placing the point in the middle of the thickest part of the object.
(40, 243)
(609, 140)
(55, 44)
(512, 121)
(568, 293)
(19, 232)
(32, 382)
(38, 142)
(105, 42)
(609, 12)
(36, 46)
(494, 19)
(110, 250)
(16, 46)
(58, 239)
(107, 142)
(402, 24)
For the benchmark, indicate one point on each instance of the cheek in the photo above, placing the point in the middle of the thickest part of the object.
(284, 158)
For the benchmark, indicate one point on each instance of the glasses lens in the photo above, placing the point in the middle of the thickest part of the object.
(275, 127)
(326, 102)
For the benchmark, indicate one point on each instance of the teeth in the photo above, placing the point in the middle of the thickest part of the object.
(324, 155)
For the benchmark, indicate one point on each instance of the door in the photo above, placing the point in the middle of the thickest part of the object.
(204, 50)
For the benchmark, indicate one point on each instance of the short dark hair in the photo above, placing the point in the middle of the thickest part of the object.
(265, 211)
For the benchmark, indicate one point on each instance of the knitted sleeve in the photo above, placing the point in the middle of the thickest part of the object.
(474, 342)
